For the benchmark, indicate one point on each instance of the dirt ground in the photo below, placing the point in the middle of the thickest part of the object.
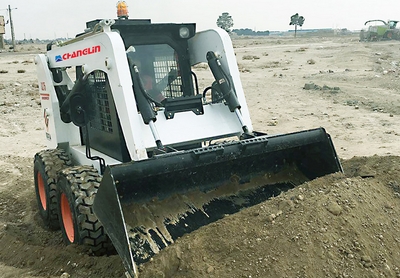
(340, 225)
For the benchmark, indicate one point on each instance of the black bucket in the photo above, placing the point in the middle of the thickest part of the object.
(145, 205)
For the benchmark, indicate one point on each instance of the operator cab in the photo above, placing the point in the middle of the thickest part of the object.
(160, 52)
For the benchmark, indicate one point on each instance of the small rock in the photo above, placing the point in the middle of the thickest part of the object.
(366, 258)
(65, 275)
(210, 269)
(300, 197)
(271, 217)
(366, 172)
(350, 256)
(334, 208)
(309, 86)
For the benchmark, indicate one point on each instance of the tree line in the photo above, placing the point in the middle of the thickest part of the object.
(225, 21)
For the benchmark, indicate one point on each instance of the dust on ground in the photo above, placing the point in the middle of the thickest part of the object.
(341, 225)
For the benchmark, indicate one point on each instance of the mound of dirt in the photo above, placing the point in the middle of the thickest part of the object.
(341, 225)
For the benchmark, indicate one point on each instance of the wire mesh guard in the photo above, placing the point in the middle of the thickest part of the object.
(159, 69)
(166, 76)
(101, 119)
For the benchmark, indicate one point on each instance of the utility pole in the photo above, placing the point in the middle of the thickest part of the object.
(12, 27)
(2, 31)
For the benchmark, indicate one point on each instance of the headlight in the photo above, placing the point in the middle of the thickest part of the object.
(184, 32)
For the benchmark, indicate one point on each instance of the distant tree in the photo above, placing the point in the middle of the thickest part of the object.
(225, 22)
(296, 20)
(249, 32)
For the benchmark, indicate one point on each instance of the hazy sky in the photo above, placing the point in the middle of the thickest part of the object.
(48, 19)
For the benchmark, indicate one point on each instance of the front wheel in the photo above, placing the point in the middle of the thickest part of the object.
(76, 189)
(47, 164)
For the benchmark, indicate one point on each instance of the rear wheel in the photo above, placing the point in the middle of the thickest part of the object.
(76, 190)
(47, 164)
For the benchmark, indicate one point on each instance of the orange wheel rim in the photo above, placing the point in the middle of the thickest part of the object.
(42, 191)
(66, 215)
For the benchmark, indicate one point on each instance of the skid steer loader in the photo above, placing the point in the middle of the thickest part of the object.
(138, 154)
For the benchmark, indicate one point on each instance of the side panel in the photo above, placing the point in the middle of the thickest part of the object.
(106, 52)
(56, 131)
(78, 155)
(218, 40)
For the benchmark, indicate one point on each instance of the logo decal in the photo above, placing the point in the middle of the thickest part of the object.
(46, 120)
(43, 86)
(78, 53)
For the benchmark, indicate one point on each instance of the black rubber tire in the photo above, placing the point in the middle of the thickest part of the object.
(47, 164)
(76, 189)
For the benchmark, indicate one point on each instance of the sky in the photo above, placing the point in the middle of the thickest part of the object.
(50, 19)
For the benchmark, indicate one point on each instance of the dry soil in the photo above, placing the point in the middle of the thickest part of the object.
(341, 225)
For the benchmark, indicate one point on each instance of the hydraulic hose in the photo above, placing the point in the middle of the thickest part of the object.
(223, 81)
(226, 87)
(143, 101)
